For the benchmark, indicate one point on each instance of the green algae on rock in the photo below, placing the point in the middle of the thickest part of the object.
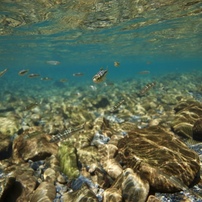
(68, 160)
(159, 157)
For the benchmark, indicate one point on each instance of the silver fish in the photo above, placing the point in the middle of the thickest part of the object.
(23, 72)
(33, 75)
(53, 62)
(100, 76)
(3, 72)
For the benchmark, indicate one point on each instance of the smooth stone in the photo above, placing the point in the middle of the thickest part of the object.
(84, 194)
(6, 186)
(133, 187)
(61, 179)
(197, 130)
(8, 125)
(50, 174)
(110, 165)
(112, 194)
(5, 147)
(160, 158)
(44, 192)
(186, 115)
(25, 182)
(33, 145)
(153, 198)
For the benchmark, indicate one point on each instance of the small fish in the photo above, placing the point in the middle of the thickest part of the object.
(144, 72)
(115, 107)
(3, 72)
(53, 62)
(23, 72)
(46, 78)
(116, 64)
(33, 75)
(100, 76)
(78, 74)
(65, 134)
(63, 80)
(147, 88)
(31, 106)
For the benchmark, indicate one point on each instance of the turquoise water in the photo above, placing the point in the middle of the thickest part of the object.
(158, 44)
(161, 39)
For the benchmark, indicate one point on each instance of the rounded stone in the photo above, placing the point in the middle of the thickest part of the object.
(61, 179)
(160, 158)
(197, 130)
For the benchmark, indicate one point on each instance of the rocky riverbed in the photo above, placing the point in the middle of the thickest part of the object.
(106, 145)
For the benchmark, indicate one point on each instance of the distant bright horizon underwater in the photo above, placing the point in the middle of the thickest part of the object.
(85, 71)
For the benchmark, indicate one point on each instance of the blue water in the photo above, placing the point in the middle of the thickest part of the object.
(171, 44)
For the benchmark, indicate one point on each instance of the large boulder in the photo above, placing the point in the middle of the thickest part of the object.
(160, 158)
(33, 145)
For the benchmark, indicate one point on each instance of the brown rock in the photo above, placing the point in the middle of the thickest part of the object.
(45, 192)
(133, 187)
(23, 185)
(5, 147)
(50, 174)
(84, 194)
(197, 130)
(187, 113)
(107, 152)
(112, 195)
(32, 146)
(6, 185)
(159, 157)
(153, 198)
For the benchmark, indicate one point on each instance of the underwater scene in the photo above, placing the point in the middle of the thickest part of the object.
(101, 101)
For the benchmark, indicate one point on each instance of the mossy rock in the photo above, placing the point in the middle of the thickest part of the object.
(68, 160)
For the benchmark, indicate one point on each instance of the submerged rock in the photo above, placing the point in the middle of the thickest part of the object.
(19, 183)
(32, 145)
(8, 125)
(129, 186)
(99, 139)
(5, 147)
(68, 160)
(197, 130)
(187, 114)
(6, 184)
(84, 194)
(44, 192)
(160, 158)
(112, 194)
